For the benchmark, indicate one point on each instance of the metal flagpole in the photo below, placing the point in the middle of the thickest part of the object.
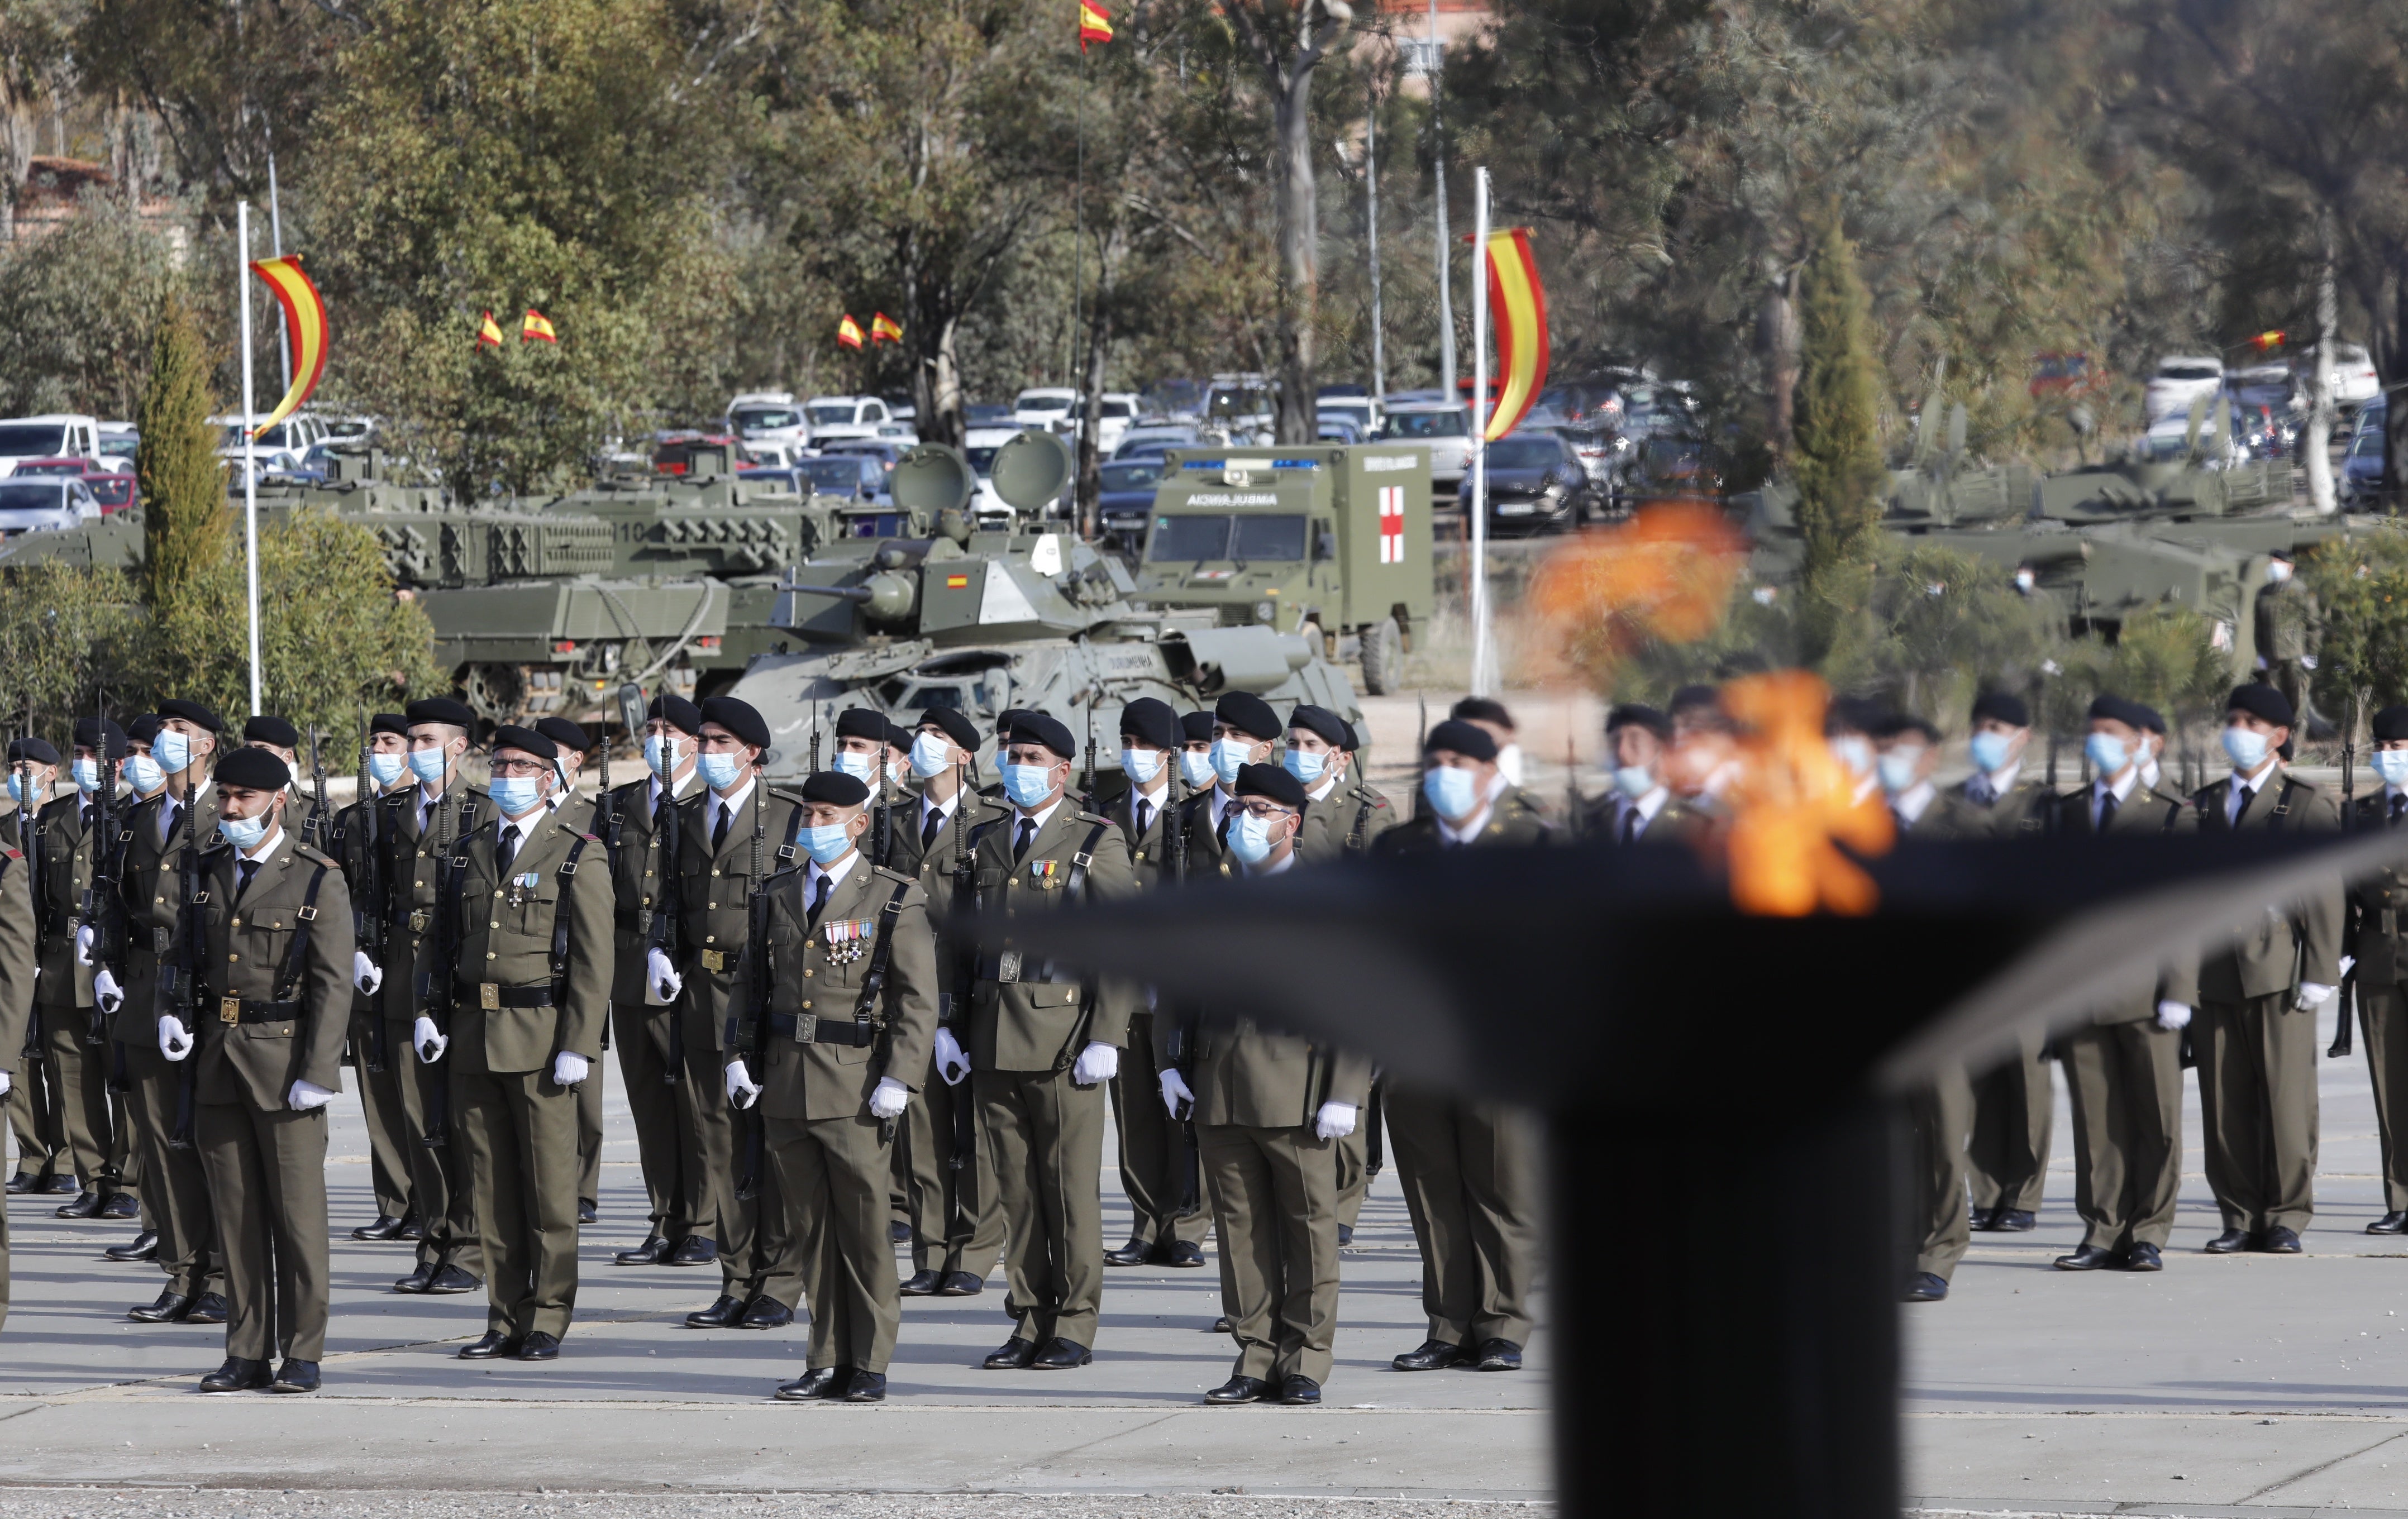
(250, 444)
(1437, 167)
(1483, 640)
(1371, 183)
(276, 250)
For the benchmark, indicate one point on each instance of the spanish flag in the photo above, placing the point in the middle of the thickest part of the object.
(1518, 304)
(489, 333)
(885, 329)
(847, 333)
(304, 322)
(536, 328)
(1095, 24)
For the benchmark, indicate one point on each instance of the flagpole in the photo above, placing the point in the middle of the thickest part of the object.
(1371, 221)
(1483, 641)
(1079, 236)
(250, 444)
(1438, 175)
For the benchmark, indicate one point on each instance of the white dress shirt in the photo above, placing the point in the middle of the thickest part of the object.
(2100, 790)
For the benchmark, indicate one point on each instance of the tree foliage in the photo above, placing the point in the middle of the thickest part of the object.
(183, 481)
(1836, 439)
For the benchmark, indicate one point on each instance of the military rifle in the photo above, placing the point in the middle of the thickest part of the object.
(960, 1225)
(37, 1089)
(883, 843)
(104, 900)
(757, 963)
(1187, 1162)
(662, 930)
(437, 989)
(2342, 1045)
(371, 911)
(320, 819)
(183, 987)
(1087, 781)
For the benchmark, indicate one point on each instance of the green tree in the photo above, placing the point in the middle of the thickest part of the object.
(65, 632)
(184, 482)
(1836, 439)
(77, 311)
(1945, 626)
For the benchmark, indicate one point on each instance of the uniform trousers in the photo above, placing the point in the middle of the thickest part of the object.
(380, 1107)
(1150, 1146)
(2382, 1018)
(1275, 1204)
(666, 1139)
(589, 1138)
(933, 1184)
(1941, 1116)
(267, 1187)
(831, 1178)
(1355, 1167)
(1045, 1142)
(2258, 1108)
(1469, 1172)
(41, 1141)
(519, 1129)
(82, 1072)
(2125, 1082)
(2015, 1106)
(176, 1200)
(441, 1192)
(748, 1243)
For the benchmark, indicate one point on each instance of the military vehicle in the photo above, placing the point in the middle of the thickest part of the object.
(988, 622)
(1331, 542)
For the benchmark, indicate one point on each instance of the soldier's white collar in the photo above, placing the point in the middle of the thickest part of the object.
(268, 846)
(834, 874)
(1040, 819)
(1320, 792)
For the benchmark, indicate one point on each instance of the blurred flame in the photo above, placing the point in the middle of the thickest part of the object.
(1667, 574)
(1791, 801)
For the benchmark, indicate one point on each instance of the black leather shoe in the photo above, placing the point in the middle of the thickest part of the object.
(1927, 1287)
(236, 1376)
(1183, 1252)
(2230, 1243)
(411, 1229)
(295, 1377)
(898, 1232)
(87, 1205)
(586, 1213)
(1345, 1235)
(1013, 1354)
(2278, 1240)
(1136, 1252)
(208, 1307)
(120, 1204)
(170, 1309)
(1222, 1327)
(539, 1347)
(648, 1254)
(1430, 1355)
(723, 1310)
(1984, 1218)
(765, 1313)
(384, 1228)
(1059, 1355)
(2389, 1223)
(827, 1381)
(142, 1247)
(694, 1250)
(417, 1281)
(2014, 1220)
(492, 1345)
(1299, 1390)
(450, 1279)
(920, 1283)
(2087, 1258)
(60, 1185)
(961, 1284)
(1238, 1390)
(1498, 1356)
(21, 1183)
(2144, 1257)
(866, 1387)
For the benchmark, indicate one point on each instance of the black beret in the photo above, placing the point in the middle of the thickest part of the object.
(2111, 708)
(37, 751)
(1271, 780)
(1897, 724)
(2391, 723)
(738, 717)
(2263, 702)
(955, 722)
(1319, 721)
(1855, 714)
(1458, 737)
(2002, 707)
(193, 713)
(859, 723)
(254, 768)
(834, 787)
(393, 723)
(1632, 714)
(1249, 714)
(1005, 720)
(1196, 727)
(897, 735)
(1690, 698)
(90, 731)
(1151, 721)
(144, 728)
(568, 736)
(676, 712)
(266, 729)
(2153, 720)
(1483, 709)
(1350, 742)
(527, 741)
(436, 710)
(1039, 728)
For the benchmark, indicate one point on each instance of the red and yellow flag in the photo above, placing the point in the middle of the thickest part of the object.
(304, 320)
(885, 329)
(1517, 303)
(536, 328)
(489, 332)
(1095, 24)
(847, 332)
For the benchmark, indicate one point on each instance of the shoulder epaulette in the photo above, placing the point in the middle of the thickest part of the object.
(308, 852)
(893, 874)
(1092, 817)
(794, 797)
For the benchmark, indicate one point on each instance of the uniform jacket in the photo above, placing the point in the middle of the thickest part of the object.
(2378, 905)
(1043, 1024)
(715, 888)
(153, 901)
(1949, 816)
(63, 853)
(1245, 1075)
(409, 882)
(505, 939)
(639, 882)
(2296, 941)
(1151, 854)
(1506, 824)
(1347, 821)
(1206, 847)
(2289, 622)
(1675, 822)
(818, 968)
(17, 961)
(935, 876)
(245, 945)
(2145, 811)
(359, 829)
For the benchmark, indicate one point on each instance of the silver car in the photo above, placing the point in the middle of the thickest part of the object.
(44, 503)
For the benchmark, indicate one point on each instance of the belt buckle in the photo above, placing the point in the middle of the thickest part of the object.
(489, 996)
(714, 960)
(229, 1011)
(1006, 966)
(807, 1028)
(419, 918)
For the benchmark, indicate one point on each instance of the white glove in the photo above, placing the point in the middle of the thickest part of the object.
(953, 1065)
(2347, 961)
(307, 1096)
(1096, 1062)
(2314, 994)
(1335, 1121)
(365, 975)
(1174, 1091)
(742, 1089)
(568, 1067)
(2173, 1015)
(430, 1043)
(662, 976)
(174, 1042)
(3, 1083)
(83, 945)
(890, 1098)
(106, 991)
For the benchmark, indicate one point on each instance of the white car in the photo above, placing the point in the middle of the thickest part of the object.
(1149, 442)
(987, 508)
(2354, 381)
(1447, 430)
(759, 417)
(55, 437)
(2181, 378)
(45, 503)
(835, 418)
(295, 435)
(2168, 440)
(1363, 412)
(1240, 406)
(1045, 407)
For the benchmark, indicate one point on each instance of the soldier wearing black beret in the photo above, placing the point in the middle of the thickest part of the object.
(1344, 813)
(572, 745)
(1245, 730)
(1640, 807)
(356, 838)
(2378, 904)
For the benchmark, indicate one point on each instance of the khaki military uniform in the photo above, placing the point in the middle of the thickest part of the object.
(266, 1163)
(1028, 1022)
(2015, 1102)
(1610, 819)
(532, 976)
(652, 1063)
(1156, 1154)
(1344, 823)
(585, 814)
(2290, 625)
(2256, 1050)
(1939, 1114)
(64, 849)
(2377, 907)
(817, 1062)
(17, 966)
(377, 1063)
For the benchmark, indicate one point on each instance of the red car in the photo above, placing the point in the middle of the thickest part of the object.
(114, 487)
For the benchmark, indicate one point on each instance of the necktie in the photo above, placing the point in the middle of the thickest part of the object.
(719, 829)
(87, 817)
(505, 850)
(1144, 816)
(1023, 839)
(1979, 792)
(2107, 804)
(175, 820)
(933, 825)
(1905, 824)
(1631, 823)
(2398, 808)
(2241, 796)
(244, 869)
(819, 900)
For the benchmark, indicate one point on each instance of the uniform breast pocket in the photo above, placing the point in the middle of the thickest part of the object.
(1048, 995)
(531, 915)
(269, 1031)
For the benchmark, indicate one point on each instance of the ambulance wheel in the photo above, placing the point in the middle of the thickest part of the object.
(1384, 657)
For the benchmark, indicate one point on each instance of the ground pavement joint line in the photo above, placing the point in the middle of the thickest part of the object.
(2322, 1466)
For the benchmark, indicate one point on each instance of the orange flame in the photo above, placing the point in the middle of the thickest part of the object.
(1791, 801)
(1667, 574)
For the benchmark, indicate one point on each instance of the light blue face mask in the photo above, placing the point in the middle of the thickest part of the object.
(1229, 754)
(244, 833)
(928, 753)
(143, 774)
(827, 842)
(1990, 752)
(660, 754)
(1197, 768)
(1898, 770)
(428, 765)
(2392, 766)
(515, 794)
(16, 787)
(1634, 781)
(1027, 785)
(86, 775)
(1305, 768)
(1143, 764)
(1250, 840)
(1451, 790)
(2246, 749)
(384, 770)
(1855, 752)
(721, 772)
(862, 768)
(2107, 754)
(172, 750)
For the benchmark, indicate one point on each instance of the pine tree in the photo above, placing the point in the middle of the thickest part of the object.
(1837, 459)
(185, 531)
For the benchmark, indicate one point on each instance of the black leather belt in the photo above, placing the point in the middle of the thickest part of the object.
(1009, 968)
(244, 1009)
(634, 921)
(491, 994)
(819, 1030)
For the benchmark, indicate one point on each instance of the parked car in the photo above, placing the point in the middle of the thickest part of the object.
(45, 504)
(2061, 376)
(847, 475)
(53, 436)
(887, 451)
(294, 434)
(2363, 485)
(673, 453)
(117, 491)
(2168, 439)
(1536, 483)
(1151, 442)
(120, 440)
(2181, 378)
(1126, 497)
(2354, 381)
(841, 417)
(1241, 406)
(1348, 403)
(1046, 405)
(1446, 427)
(111, 478)
(985, 414)
(759, 417)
